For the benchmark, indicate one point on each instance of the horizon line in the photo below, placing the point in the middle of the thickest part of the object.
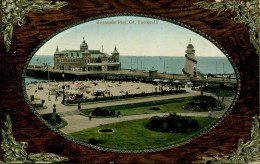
(151, 55)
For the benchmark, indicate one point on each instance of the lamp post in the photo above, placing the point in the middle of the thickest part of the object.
(63, 87)
(54, 108)
(48, 71)
(201, 89)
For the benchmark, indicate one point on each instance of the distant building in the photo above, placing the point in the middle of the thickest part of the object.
(86, 60)
(190, 64)
(153, 72)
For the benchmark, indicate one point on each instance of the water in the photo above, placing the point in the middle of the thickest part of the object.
(41, 59)
(174, 65)
(33, 80)
(168, 64)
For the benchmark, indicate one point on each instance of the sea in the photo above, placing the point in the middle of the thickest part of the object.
(167, 64)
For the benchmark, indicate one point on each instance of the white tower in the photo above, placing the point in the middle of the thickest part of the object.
(190, 64)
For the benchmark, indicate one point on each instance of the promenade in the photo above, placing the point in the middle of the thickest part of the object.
(62, 109)
(77, 122)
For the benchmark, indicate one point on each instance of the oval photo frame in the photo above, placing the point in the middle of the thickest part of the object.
(144, 150)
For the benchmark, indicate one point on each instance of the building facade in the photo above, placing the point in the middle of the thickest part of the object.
(86, 60)
(190, 63)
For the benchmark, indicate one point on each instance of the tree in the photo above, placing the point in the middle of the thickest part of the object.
(172, 123)
(154, 123)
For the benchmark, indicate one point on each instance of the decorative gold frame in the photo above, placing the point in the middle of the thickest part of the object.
(13, 12)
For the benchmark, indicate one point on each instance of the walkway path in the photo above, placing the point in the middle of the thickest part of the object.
(79, 122)
(62, 108)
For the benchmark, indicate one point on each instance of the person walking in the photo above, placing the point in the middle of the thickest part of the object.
(118, 114)
(90, 116)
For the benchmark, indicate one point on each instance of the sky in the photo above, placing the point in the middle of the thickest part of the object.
(160, 39)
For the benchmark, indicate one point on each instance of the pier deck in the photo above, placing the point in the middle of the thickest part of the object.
(42, 72)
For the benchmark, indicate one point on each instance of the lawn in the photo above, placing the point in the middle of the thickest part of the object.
(133, 135)
(143, 108)
(164, 108)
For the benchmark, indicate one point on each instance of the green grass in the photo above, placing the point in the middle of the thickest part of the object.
(63, 124)
(133, 135)
(166, 106)
(120, 99)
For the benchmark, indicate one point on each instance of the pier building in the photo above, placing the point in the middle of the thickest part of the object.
(86, 60)
(190, 65)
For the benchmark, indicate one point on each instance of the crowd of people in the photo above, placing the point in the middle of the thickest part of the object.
(89, 89)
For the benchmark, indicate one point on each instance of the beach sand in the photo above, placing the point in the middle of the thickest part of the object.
(112, 89)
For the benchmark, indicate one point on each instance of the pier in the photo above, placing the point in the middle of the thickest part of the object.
(126, 75)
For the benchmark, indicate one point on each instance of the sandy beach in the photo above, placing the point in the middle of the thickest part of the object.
(45, 90)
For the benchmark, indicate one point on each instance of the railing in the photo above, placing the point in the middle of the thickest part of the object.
(134, 74)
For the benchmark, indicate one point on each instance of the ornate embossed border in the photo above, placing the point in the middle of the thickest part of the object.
(242, 53)
(247, 12)
(14, 13)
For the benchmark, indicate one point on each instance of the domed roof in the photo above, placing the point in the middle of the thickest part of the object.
(84, 44)
(190, 46)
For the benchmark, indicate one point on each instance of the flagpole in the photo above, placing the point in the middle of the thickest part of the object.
(48, 73)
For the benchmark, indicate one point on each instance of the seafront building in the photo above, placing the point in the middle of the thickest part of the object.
(86, 60)
(190, 64)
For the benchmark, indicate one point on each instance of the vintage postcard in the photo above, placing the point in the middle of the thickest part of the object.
(147, 82)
